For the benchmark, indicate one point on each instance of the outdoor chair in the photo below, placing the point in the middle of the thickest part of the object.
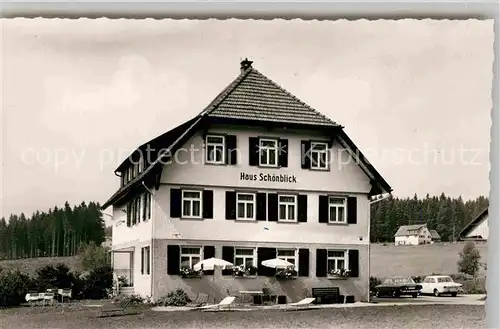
(225, 303)
(303, 304)
(200, 300)
(64, 293)
(48, 298)
(267, 297)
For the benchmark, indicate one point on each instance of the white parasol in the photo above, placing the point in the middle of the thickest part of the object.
(208, 264)
(276, 263)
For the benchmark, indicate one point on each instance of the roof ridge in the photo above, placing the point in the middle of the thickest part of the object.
(225, 93)
(294, 97)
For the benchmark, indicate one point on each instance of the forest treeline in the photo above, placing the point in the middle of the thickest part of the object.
(61, 231)
(442, 213)
(58, 232)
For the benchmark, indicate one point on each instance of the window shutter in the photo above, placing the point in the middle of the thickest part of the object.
(352, 210)
(129, 214)
(230, 205)
(321, 261)
(262, 255)
(142, 260)
(208, 204)
(303, 262)
(305, 161)
(208, 252)
(323, 209)
(144, 206)
(354, 262)
(175, 203)
(261, 213)
(283, 153)
(302, 205)
(228, 256)
(253, 151)
(148, 260)
(173, 259)
(231, 151)
(272, 209)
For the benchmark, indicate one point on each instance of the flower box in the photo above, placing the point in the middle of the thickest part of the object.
(190, 273)
(286, 274)
(242, 272)
(339, 274)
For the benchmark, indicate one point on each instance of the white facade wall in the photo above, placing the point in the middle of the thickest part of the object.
(344, 177)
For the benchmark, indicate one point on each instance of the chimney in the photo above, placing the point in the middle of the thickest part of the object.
(245, 65)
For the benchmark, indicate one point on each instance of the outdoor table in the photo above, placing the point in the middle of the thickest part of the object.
(252, 293)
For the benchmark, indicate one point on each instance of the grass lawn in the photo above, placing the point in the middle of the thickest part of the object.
(421, 317)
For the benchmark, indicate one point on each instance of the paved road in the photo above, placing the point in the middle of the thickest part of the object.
(459, 300)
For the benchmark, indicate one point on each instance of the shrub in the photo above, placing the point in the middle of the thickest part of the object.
(94, 256)
(13, 288)
(133, 300)
(374, 282)
(469, 261)
(175, 298)
(97, 283)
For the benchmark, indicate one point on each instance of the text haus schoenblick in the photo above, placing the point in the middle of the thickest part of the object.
(281, 178)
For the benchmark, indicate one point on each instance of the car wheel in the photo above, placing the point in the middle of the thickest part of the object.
(436, 293)
(395, 293)
(453, 294)
(377, 294)
(415, 295)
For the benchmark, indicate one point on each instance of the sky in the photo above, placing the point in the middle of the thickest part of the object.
(79, 95)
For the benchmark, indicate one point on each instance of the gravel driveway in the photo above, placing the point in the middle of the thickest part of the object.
(409, 316)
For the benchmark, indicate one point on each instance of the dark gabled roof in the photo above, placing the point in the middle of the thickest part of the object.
(250, 99)
(252, 96)
(475, 222)
(405, 230)
(435, 234)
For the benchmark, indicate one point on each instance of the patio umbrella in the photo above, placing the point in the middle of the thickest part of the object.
(208, 264)
(276, 263)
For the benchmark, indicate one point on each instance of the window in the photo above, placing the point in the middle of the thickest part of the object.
(268, 150)
(244, 256)
(319, 155)
(287, 206)
(191, 204)
(337, 210)
(145, 268)
(288, 255)
(146, 211)
(245, 207)
(337, 260)
(215, 149)
(190, 256)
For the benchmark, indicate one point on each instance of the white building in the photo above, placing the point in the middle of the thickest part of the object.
(477, 229)
(270, 177)
(412, 235)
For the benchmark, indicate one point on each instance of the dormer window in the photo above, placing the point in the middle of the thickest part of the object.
(214, 149)
(268, 149)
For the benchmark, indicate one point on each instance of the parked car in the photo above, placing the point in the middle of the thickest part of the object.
(441, 285)
(398, 286)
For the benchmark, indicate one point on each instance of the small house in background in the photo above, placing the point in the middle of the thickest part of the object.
(435, 237)
(477, 229)
(412, 235)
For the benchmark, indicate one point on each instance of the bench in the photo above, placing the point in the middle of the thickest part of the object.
(108, 312)
(326, 295)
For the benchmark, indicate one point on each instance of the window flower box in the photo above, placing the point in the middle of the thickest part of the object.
(339, 274)
(190, 273)
(241, 271)
(286, 274)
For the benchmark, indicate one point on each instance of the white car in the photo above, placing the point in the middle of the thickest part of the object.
(440, 285)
